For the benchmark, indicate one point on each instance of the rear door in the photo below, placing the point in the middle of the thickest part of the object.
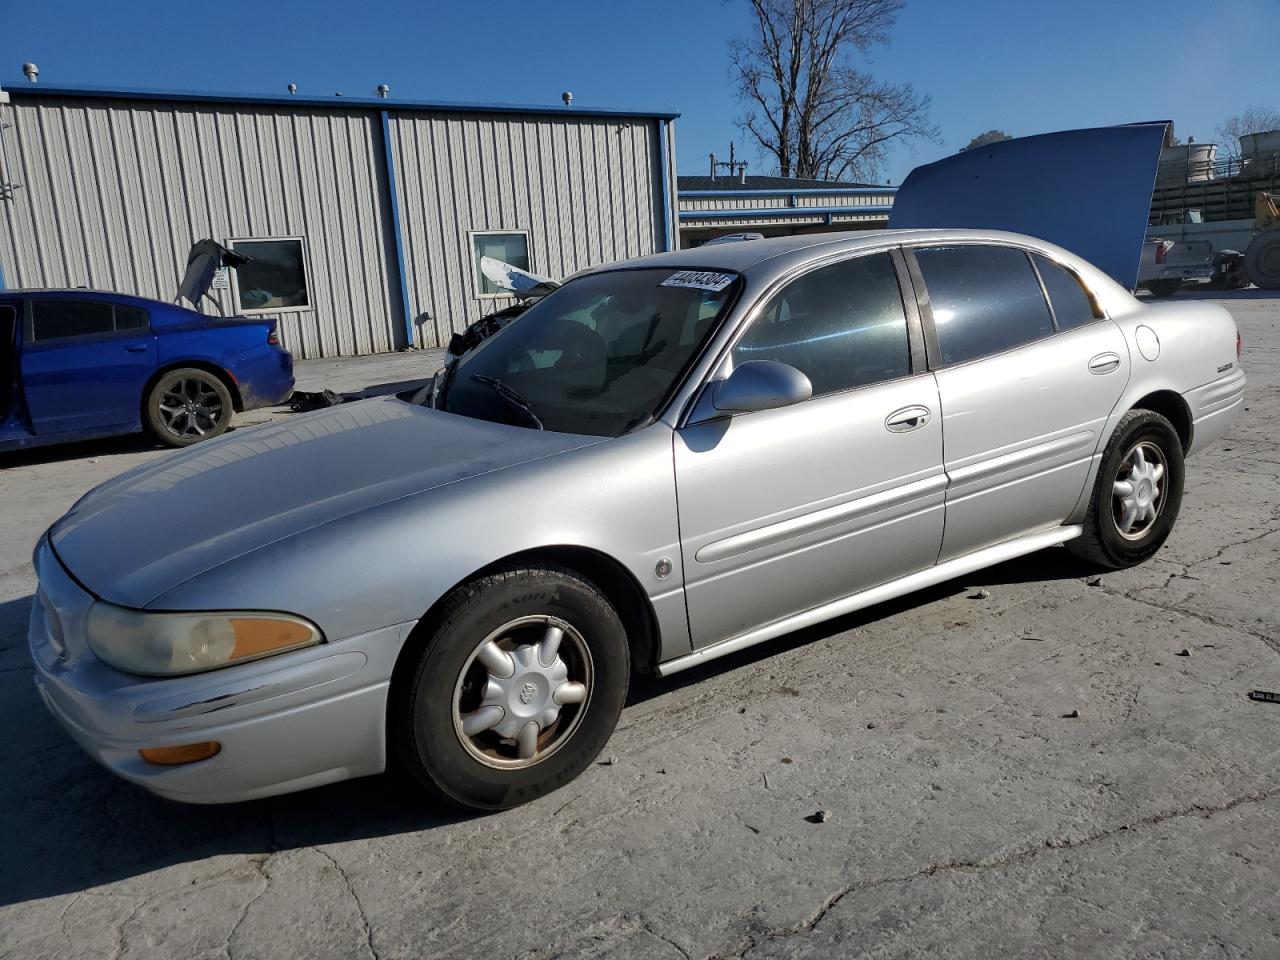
(84, 363)
(784, 510)
(1025, 388)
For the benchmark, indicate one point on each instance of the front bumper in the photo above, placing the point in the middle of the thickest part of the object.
(286, 723)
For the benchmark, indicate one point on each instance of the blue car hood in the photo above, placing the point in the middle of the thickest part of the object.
(1086, 190)
(143, 533)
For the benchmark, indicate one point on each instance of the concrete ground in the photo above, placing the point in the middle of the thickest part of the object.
(1065, 767)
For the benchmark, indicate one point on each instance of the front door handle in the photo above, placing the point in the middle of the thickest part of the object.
(136, 347)
(1104, 363)
(907, 419)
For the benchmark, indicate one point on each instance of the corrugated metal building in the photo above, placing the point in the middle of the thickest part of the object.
(777, 206)
(365, 217)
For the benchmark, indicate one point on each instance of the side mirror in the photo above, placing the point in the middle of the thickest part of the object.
(761, 385)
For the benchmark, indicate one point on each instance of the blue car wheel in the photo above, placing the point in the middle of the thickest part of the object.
(188, 405)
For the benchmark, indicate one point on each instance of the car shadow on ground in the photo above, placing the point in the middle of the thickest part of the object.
(75, 826)
(1055, 563)
(80, 450)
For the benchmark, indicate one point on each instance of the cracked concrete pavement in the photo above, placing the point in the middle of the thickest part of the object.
(969, 816)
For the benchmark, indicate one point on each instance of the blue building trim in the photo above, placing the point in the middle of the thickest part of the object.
(798, 191)
(2, 286)
(780, 212)
(389, 164)
(348, 103)
(668, 240)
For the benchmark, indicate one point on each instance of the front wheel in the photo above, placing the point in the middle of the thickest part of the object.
(1137, 495)
(516, 690)
(188, 405)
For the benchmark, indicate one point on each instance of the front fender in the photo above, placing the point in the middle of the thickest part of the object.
(391, 563)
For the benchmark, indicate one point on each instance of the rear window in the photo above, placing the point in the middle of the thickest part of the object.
(1071, 304)
(985, 300)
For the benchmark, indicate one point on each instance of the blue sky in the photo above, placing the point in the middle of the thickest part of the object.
(1025, 67)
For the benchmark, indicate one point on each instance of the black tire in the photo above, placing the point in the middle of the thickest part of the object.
(1164, 288)
(188, 405)
(422, 736)
(1102, 542)
(1262, 260)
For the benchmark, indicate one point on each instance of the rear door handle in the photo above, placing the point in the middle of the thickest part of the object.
(907, 419)
(1104, 363)
(136, 347)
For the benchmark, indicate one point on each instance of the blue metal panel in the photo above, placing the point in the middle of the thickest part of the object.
(799, 192)
(397, 238)
(665, 171)
(365, 103)
(1, 276)
(781, 212)
(1086, 190)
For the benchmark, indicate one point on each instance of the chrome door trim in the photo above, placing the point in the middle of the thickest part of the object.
(827, 517)
(1084, 441)
(958, 567)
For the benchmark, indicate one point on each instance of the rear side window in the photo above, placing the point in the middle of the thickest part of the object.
(985, 300)
(1071, 304)
(130, 318)
(54, 319)
(842, 325)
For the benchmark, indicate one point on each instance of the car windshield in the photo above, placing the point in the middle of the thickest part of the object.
(598, 356)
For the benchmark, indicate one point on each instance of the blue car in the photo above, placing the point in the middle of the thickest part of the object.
(76, 364)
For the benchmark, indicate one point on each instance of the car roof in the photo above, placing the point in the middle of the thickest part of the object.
(746, 254)
(81, 293)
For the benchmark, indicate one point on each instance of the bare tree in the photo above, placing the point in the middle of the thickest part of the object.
(982, 139)
(1253, 120)
(808, 106)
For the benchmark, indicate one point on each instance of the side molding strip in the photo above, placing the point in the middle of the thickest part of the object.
(958, 567)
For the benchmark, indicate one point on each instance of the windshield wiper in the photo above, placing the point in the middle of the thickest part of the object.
(513, 399)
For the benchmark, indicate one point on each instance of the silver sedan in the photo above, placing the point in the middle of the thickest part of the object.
(663, 461)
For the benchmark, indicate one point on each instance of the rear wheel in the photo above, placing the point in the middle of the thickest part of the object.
(1164, 288)
(1262, 260)
(515, 692)
(1137, 495)
(188, 405)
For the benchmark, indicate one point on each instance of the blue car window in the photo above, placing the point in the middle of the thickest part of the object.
(130, 318)
(56, 319)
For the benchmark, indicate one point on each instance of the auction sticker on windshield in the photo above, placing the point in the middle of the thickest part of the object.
(699, 280)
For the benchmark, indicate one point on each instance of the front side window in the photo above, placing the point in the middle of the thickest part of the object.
(985, 300)
(508, 247)
(56, 319)
(1071, 304)
(275, 278)
(599, 356)
(842, 325)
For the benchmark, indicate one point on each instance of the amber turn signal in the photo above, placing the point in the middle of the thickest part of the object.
(186, 753)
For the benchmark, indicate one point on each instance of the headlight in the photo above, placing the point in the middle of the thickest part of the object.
(168, 644)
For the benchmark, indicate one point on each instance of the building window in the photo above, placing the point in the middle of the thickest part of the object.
(275, 278)
(509, 246)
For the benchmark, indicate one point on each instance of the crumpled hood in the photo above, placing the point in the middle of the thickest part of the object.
(143, 533)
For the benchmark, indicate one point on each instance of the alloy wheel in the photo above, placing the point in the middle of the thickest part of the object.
(191, 408)
(522, 692)
(1138, 495)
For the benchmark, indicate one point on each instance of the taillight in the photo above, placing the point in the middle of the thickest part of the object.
(1239, 345)
(273, 338)
(1162, 251)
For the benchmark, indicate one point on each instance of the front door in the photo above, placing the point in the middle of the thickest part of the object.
(1027, 383)
(84, 364)
(784, 510)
